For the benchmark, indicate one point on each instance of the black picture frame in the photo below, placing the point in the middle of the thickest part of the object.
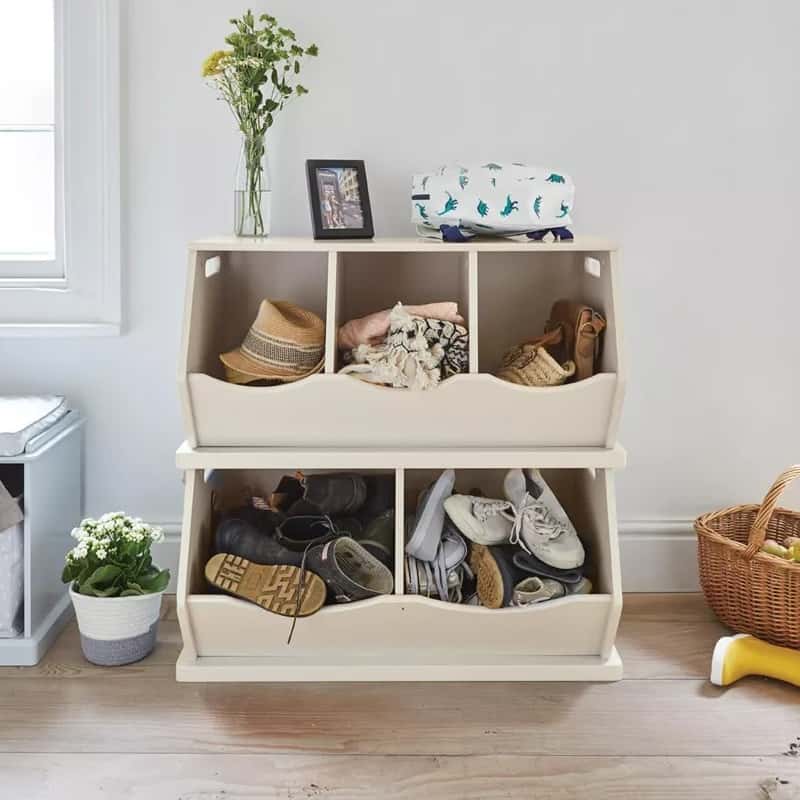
(326, 172)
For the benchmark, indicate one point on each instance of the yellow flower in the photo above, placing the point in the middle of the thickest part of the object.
(213, 64)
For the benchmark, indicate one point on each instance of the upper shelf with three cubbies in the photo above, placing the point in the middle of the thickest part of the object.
(504, 290)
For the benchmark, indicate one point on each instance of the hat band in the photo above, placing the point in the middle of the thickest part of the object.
(288, 356)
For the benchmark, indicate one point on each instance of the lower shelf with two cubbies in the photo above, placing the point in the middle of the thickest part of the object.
(401, 636)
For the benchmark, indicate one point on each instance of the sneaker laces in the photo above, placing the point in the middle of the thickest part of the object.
(483, 508)
(545, 524)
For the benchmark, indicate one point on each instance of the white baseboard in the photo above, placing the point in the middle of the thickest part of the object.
(656, 556)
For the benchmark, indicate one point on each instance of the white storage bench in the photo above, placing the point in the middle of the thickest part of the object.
(49, 477)
(504, 290)
(400, 636)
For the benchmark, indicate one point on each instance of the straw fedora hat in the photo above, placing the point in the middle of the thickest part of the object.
(285, 343)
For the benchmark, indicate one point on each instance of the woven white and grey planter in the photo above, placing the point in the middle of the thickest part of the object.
(117, 630)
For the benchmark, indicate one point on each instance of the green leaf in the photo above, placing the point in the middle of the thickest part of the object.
(296, 67)
(156, 583)
(105, 574)
(110, 591)
(312, 50)
(300, 89)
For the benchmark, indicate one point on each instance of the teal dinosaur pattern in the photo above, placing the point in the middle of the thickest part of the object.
(537, 206)
(451, 204)
(483, 209)
(511, 205)
(554, 177)
(422, 212)
(491, 165)
(564, 211)
(425, 182)
(463, 180)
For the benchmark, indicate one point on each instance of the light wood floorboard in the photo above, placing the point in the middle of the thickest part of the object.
(69, 729)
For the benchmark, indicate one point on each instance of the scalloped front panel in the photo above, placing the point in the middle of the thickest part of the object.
(342, 411)
(226, 626)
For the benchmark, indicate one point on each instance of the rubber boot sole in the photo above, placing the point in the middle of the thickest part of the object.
(491, 585)
(273, 587)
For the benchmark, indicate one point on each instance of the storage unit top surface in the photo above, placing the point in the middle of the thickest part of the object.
(396, 245)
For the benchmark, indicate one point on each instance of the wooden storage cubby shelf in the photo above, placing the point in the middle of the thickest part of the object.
(376, 637)
(504, 291)
(475, 423)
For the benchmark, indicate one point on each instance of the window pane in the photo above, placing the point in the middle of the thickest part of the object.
(27, 195)
(27, 45)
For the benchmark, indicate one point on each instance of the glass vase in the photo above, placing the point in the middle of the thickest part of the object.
(253, 190)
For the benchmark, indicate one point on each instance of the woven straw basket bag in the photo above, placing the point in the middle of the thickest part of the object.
(751, 591)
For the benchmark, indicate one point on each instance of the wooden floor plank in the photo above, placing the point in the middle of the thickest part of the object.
(653, 717)
(296, 777)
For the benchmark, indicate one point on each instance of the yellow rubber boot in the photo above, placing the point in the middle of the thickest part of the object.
(741, 655)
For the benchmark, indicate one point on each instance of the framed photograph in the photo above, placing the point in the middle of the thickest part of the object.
(339, 198)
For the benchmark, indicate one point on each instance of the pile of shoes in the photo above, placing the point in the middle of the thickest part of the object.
(516, 551)
(568, 351)
(406, 347)
(316, 539)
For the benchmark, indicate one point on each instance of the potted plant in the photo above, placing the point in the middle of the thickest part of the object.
(256, 77)
(115, 589)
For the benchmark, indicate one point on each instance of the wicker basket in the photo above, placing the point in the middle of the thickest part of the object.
(750, 591)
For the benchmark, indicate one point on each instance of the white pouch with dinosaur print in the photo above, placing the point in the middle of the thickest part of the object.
(500, 199)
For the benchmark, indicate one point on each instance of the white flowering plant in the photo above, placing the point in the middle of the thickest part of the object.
(112, 557)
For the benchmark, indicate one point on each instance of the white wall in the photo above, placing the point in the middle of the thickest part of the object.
(678, 121)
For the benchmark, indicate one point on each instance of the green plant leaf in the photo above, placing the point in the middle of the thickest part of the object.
(312, 50)
(300, 89)
(155, 583)
(105, 574)
(109, 591)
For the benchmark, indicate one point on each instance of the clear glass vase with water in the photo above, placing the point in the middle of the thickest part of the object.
(252, 193)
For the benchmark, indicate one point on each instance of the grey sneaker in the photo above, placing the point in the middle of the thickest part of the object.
(442, 574)
(427, 532)
(350, 572)
(532, 590)
(541, 526)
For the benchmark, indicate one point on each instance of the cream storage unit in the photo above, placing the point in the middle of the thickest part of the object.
(247, 436)
(400, 636)
(504, 290)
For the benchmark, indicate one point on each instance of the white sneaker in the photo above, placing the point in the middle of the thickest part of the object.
(480, 519)
(541, 525)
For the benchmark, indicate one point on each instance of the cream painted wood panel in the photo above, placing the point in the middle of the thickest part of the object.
(339, 410)
(387, 627)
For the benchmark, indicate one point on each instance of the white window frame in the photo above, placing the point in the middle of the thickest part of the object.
(78, 293)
